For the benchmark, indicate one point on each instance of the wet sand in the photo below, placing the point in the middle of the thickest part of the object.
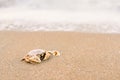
(84, 56)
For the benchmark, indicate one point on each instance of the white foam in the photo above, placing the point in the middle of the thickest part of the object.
(57, 20)
(58, 16)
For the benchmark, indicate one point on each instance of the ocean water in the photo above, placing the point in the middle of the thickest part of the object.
(102, 16)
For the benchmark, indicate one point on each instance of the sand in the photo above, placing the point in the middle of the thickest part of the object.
(84, 56)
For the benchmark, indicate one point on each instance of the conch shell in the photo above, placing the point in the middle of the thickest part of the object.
(38, 55)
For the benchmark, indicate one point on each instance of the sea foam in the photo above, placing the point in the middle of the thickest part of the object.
(56, 20)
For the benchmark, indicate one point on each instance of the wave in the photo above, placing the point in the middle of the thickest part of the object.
(64, 4)
(60, 15)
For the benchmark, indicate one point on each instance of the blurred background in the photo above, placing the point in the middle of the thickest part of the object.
(60, 15)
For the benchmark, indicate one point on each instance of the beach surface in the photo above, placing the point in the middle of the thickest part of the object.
(84, 56)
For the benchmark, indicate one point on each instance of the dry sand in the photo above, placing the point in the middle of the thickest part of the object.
(84, 56)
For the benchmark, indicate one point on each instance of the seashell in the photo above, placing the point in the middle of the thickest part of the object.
(38, 55)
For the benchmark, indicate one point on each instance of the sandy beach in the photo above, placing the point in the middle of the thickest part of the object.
(84, 56)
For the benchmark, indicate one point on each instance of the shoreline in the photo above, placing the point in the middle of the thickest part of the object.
(72, 27)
